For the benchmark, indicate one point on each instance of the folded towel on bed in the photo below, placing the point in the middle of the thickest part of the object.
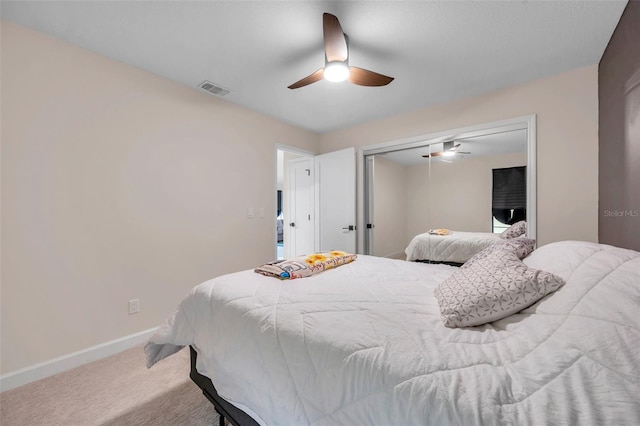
(305, 266)
(440, 231)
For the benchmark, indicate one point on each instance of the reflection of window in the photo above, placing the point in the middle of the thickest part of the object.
(509, 197)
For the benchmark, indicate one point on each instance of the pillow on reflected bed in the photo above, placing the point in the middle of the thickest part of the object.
(522, 247)
(493, 285)
(514, 231)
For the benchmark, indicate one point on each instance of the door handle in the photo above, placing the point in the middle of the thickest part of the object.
(292, 224)
(350, 228)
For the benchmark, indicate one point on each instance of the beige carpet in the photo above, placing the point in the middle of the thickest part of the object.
(118, 390)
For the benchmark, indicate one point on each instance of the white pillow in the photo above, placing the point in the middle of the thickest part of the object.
(495, 286)
(522, 247)
(515, 230)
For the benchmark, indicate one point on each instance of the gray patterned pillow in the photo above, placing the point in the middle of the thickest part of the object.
(522, 247)
(515, 230)
(494, 287)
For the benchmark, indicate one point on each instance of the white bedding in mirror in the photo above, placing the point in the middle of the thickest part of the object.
(457, 247)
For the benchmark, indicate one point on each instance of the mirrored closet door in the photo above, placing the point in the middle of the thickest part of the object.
(475, 183)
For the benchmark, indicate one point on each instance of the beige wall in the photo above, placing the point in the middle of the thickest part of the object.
(118, 184)
(418, 219)
(390, 206)
(567, 128)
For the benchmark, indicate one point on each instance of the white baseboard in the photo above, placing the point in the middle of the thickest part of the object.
(72, 360)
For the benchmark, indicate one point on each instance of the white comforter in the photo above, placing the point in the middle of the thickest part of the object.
(364, 344)
(457, 247)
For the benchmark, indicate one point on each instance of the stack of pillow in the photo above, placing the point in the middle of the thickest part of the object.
(494, 283)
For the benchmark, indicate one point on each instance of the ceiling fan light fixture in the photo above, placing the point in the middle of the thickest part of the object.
(336, 71)
(448, 153)
(336, 59)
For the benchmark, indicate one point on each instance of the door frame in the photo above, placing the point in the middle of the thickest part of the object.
(293, 150)
(527, 122)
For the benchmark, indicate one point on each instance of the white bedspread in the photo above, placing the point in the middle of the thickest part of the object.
(364, 345)
(457, 247)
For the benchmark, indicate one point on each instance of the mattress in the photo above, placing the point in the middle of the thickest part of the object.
(457, 247)
(364, 344)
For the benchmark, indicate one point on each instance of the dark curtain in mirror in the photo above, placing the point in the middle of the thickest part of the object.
(509, 198)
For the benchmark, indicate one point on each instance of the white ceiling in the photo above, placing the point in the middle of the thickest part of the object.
(438, 51)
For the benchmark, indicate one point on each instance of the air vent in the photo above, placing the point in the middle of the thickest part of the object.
(213, 88)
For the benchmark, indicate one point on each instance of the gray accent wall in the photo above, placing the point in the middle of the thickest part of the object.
(619, 134)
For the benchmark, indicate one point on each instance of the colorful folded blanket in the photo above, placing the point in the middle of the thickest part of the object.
(440, 231)
(305, 266)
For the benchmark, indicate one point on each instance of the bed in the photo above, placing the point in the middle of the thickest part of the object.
(365, 344)
(454, 249)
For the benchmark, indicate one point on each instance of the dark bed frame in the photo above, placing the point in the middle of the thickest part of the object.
(436, 262)
(226, 410)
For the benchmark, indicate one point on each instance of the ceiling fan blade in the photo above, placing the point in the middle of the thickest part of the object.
(434, 154)
(316, 76)
(335, 44)
(363, 77)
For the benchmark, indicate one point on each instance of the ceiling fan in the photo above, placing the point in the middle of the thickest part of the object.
(336, 58)
(449, 149)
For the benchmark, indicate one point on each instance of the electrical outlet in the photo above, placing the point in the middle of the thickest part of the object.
(134, 306)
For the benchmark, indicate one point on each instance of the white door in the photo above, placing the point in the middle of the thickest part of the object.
(336, 201)
(300, 218)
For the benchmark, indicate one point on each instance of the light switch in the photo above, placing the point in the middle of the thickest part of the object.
(261, 212)
(251, 213)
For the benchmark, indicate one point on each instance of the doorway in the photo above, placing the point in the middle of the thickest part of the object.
(316, 199)
(295, 221)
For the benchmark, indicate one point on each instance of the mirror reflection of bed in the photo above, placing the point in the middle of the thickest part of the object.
(472, 193)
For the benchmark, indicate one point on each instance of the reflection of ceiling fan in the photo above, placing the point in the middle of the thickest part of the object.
(336, 59)
(449, 149)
